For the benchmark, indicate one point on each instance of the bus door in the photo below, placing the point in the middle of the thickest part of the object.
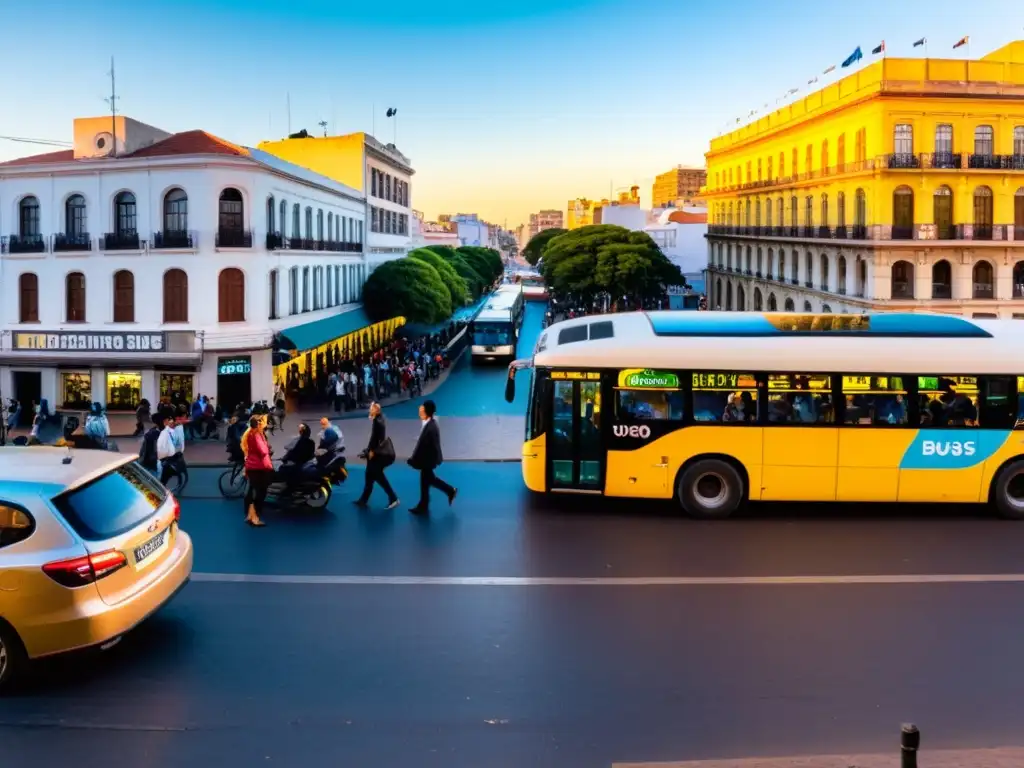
(575, 447)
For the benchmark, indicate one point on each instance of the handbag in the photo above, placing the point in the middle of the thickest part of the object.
(385, 452)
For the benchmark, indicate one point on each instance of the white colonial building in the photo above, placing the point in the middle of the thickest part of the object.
(143, 264)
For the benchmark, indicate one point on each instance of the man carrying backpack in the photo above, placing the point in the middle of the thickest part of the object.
(148, 457)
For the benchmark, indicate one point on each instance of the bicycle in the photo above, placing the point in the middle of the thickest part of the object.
(177, 482)
(232, 482)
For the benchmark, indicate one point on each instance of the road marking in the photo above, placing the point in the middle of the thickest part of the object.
(639, 581)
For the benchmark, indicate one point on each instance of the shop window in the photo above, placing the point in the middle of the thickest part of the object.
(795, 398)
(875, 401)
(176, 388)
(948, 401)
(76, 391)
(124, 390)
(721, 397)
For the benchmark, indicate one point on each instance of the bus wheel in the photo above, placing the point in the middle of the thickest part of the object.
(710, 489)
(1008, 491)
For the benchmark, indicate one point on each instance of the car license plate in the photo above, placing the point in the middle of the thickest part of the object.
(490, 349)
(151, 546)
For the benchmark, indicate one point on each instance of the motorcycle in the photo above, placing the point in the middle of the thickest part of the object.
(312, 488)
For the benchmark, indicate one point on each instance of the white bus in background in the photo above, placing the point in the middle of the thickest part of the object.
(495, 329)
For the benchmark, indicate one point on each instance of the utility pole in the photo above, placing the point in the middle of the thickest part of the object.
(112, 101)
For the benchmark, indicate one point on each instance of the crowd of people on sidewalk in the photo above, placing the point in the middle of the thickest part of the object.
(399, 367)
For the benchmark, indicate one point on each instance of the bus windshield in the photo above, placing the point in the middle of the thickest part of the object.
(492, 334)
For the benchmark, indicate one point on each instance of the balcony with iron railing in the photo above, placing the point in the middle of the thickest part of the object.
(121, 241)
(930, 232)
(70, 243)
(172, 238)
(275, 242)
(25, 244)
(234, 238)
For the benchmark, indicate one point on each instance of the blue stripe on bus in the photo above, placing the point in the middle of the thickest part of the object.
(895, 324)
(952, 448)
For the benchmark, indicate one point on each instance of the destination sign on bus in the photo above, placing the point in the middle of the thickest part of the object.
(718, 380)
(576, 375)
(645, 378)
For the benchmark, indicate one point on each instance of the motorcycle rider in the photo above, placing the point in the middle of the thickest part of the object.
(302, 451)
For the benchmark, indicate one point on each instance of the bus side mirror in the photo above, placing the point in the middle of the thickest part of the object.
(510, 387)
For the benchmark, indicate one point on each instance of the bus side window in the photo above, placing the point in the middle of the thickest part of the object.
(875, 401)
(795, 398)
(998, 407)
(948, 402)
(540, 394)
(649, 404)
(723, 397)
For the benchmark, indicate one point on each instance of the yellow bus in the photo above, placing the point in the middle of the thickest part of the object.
(716, 409)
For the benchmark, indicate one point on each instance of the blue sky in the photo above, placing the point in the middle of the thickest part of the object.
(504, 108)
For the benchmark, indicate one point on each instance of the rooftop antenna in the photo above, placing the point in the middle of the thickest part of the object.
(112, 101)
(323, 124)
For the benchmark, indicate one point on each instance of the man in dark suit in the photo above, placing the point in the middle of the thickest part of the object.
(426, 457)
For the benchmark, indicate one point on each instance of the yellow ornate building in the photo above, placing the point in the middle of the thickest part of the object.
(900, 186)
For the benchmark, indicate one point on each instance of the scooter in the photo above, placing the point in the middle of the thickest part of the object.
(315, 484)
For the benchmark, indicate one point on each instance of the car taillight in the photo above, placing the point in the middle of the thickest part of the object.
(175, 507)
(79, 571)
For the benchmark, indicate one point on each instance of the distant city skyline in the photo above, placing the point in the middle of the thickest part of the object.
(504, 111)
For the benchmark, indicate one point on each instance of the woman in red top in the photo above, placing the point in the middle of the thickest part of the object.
(258, 469)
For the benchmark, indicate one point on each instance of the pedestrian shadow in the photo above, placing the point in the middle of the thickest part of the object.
(435, 529)
(377, 523)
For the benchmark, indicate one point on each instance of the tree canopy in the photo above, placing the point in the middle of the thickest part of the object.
(486, 261)
(475, 282)
(604, 258)
(456, 285)
(534, 249)
(407, 287)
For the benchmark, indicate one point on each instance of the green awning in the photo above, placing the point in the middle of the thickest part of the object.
(312, 335)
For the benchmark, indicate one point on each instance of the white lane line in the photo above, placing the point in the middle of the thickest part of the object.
(639, 581)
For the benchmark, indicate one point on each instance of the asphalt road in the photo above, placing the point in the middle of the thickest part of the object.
(241, 671)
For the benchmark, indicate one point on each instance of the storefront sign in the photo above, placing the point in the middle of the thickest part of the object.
(234, 366)
(576, 375)
(645, 378)
(91, 341)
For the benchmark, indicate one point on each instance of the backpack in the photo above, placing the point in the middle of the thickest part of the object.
(147, 456)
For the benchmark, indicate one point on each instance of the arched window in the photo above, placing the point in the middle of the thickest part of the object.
(309, 223)
(231, 220)
(28, 220)
(75, 228)
(272, 292)
(808, 307)
(773, 304)
(1018, 280)
(790, 306)
(74, 297)
(283, 213)
(330, 227)
(826, 309)
(781, 274)
(768, 213)
(175, 213)
(125, 215)
(860, 213)
(942, 280)
(841, 274)
(944, 147)
(293, 291)
(795, 279)
(942, 213)
(771, 264)
(903, 213)
(758, 300)
(28, 297)
(794, 210)
(747, 262)
(780, 211)
(983, 279)
(824, 215)
(728, 296)
(320, 225)
(823, 260)
(231, 295)
(1018, 145)
(862, 277)
(741, 300)
(175, 296)
(124, 296)
(271, 215)
(809, 265)
(824, 158)
(760, 263)
(841, 213)
(982, 224)
(808, 216)
(902, 283)
(718, 293)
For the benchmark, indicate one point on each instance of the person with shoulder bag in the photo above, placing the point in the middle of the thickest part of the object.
(379, 454)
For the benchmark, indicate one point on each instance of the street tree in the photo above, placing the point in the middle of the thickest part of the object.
(475, 282)
(456, 286)
(408, 288)
(534, 250)
(604, 259)
(486, 261)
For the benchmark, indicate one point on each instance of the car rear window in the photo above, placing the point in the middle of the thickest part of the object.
(112, 504)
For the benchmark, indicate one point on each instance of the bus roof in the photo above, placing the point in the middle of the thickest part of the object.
(882, 342)
(500, 303)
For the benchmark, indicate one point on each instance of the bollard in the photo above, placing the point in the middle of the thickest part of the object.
(910, 741)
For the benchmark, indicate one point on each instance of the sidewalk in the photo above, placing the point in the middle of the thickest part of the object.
(1008, 757)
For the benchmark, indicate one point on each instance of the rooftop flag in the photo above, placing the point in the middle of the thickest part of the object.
(830, 69)
(880, 48)
(922, 41)
(855, 56)
(962, 41)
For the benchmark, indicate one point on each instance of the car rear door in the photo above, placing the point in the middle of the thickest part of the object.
(126, 516)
